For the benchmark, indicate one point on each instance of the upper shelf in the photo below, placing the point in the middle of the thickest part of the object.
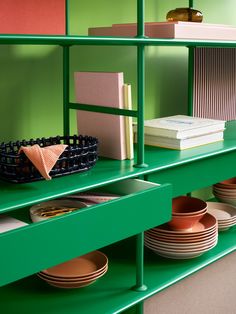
(106, 40)
(189, 170)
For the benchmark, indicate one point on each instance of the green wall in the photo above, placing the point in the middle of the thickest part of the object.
(31, 77)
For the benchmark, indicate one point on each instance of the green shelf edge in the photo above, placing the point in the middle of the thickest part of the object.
(70, 40)
(164, 166)
(113, 293)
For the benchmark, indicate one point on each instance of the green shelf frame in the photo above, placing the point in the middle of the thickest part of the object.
(111, 293)
(69, 40)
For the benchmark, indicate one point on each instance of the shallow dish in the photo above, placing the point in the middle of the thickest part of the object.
(85, 265)
(55, 208)
(207, 223)
(221, 211)
(227, 184)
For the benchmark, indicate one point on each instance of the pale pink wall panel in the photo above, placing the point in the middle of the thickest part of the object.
(215, 83)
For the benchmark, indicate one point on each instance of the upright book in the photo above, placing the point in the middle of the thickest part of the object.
(128, 122)
(104, 89)
(181, 126)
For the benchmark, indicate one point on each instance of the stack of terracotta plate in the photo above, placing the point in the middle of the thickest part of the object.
(225, 214)
(78, 272)
(225, 191)
(187, 244)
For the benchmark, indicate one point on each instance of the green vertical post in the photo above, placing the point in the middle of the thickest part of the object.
(190, 79)
(67, 16)
(140, 130)
(66, 79)
(139, 308)
(190, 3)
(140, 84)
(139, 262)
(66, 84)
(140, 18)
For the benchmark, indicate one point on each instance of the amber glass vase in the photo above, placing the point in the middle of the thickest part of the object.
(184, 14)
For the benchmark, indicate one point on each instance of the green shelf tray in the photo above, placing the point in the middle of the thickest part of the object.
(112, 293)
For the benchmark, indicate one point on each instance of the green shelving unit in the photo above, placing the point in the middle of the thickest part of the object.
(116, 227)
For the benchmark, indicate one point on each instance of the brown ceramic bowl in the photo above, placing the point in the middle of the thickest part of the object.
(186, 205)
(227, 184)
(181, 223)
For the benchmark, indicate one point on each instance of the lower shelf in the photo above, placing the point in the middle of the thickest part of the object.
(112, 293)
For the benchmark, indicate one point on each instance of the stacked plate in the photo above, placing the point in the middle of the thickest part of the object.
(78, 272)
(183, 244)
(225, 214)
(225, 191)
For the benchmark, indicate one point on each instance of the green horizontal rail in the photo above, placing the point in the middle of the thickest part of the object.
(110, 110)
(112, 41)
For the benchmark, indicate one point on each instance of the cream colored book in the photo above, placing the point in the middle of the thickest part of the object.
(180, 144)
(128, 122)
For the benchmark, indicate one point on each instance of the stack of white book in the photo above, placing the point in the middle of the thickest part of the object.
(181, 132)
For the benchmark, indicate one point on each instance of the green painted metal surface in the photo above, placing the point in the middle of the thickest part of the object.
(66, 90)
(111, 293)
(41, 245)
(141, 102)
(109, 110)
(216, 160)
(109, 41)
(140, 18)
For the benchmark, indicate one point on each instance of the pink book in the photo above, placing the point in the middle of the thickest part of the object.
(32, 17)
(105, 89)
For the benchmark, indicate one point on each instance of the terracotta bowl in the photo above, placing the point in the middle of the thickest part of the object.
(227, 184)
(182, 223)
(186, 205)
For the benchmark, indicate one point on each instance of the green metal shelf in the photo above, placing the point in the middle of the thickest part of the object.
(70, 40)
(112, 293)
(186, 170)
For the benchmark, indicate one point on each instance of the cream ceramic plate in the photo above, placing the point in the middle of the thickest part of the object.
(178, 239)
(181, 255)
(180, 245)
(189, 248)
(228, 200)
(221, 211)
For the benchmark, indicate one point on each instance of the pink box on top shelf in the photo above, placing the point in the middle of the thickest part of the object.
(104, 89)
(180, 30)
(39, 17)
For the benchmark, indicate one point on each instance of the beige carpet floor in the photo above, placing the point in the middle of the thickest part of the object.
(212, 290)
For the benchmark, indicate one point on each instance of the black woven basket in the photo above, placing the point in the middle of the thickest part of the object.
(80, 155)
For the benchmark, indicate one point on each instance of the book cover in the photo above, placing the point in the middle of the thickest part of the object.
(181, 144)
(128, 122)
(181, 126)
(32, 17)
(104, 89)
